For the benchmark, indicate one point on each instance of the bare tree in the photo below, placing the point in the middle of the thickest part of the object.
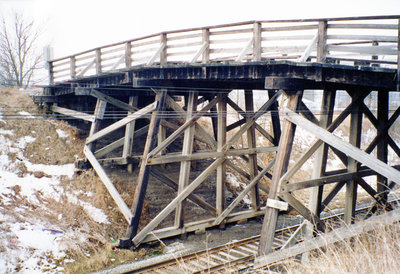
(19, 58)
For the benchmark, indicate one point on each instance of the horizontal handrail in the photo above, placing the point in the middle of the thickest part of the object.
(370, 40)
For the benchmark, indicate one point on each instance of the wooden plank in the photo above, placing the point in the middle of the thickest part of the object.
(342, 116)
(362, 26)
(156, 55)
(382, 146)
(174, 185)
(309, 49)
(221, 141)
(276, 124)
(128, 54)
(245, 50)
(323, 180)
(398, 56)
(371, 38)
(321, 43)
(119, 143)
(370, 50)
(128, 119)
(179, 198)
(352, 165)
(129, 133)
(242, 121)
(143, 175)
(187, 149)
(85, 69)
(200, 132)
(199, 225)
(108, 184)
(179, 131)
(119, 62)
(110, 147)
(99, 115)
(257, 38)
(98, 61)
(331, 195)
(251, 143)
(281, 164)
(73, 113)
(303, 210)
(243, 193)
(200, 52)
(345, 147)
(111, 100)
(321, 158)
(72, 65)
(334, 236)
(257, 115)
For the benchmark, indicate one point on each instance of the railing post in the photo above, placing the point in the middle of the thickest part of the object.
(98, 61)
(398, 55)
(321, 43)
(72, 67)
(206, 39)
(51, 72)
(128, 53)
(163, 54)
(257, 41)
(374, 57)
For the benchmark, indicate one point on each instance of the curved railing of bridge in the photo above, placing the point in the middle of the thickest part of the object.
(362, 41)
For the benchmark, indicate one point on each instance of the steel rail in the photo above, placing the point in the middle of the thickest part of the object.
(235, 256)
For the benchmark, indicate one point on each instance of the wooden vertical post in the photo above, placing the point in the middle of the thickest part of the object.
(327, 108)
(382, 146)
(281, 163)
(98, 115)
(144, 171)
(276, 124)
(321, 42)
(221, 140)
(163, 54)
(257, 41)
(187, 149)
(162, 134)
(206, 39)
(398, 55)
(321, 158)
(214, 118)
(128, 54)
(72, 67)
(251, 143)
(51, 72)
(129, 134)
(352, 165)
(98, 61)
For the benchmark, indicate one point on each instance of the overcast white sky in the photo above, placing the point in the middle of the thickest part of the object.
(72, 26)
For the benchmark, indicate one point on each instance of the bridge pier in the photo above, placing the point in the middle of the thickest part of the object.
(356, 157)
(140, 79)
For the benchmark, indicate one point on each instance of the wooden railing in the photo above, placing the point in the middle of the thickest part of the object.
(365, 41)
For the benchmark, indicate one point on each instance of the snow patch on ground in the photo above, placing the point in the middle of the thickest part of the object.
(62, 134)
(26, 115)
(29, 244)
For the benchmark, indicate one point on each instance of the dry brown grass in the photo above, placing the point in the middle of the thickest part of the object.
(64, 213)
(374, 252)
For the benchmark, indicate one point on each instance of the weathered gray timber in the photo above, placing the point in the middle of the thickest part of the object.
(132, 86)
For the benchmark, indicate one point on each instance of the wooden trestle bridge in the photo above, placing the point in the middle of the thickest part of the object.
(142, 78)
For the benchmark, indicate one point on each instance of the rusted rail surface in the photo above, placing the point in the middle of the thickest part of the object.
(365, 41)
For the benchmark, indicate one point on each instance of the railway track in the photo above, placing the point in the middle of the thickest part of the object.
(237, 256)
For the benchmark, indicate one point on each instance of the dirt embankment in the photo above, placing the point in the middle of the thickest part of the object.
(70, 214)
